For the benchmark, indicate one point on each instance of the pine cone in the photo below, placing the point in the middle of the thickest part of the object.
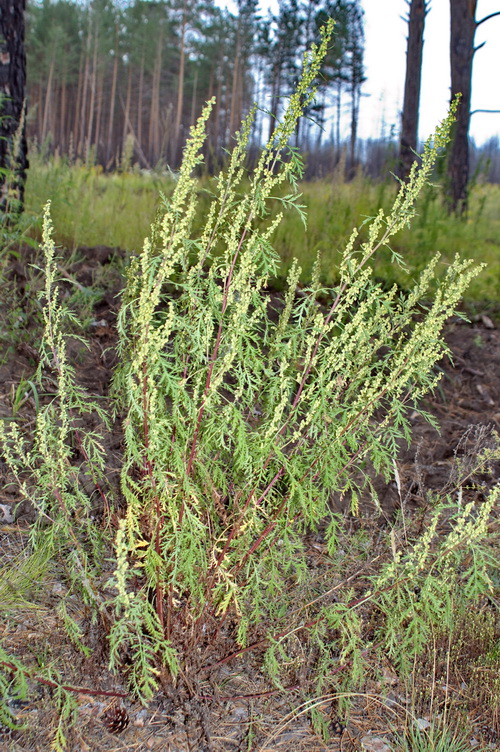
(115, 719)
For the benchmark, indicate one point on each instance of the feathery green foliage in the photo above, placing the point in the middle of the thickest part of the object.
(240, 423)
(242, 416)
(44, 467)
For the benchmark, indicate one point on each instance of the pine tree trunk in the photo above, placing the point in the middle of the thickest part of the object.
(93, 88)
(355, 95)
(78, 104)
(411, 103)
(338, 114)
(463, 29)
(233, 119)
(139, 104)
(36, 104)
(114, 80)
(83, 114)
(217, 119)
(180, 85)
(13, 146)
(275, 94)
(48, 101)
(154, 122)
(193, 99)
(63, 140)
(98, 117)
(126, 115)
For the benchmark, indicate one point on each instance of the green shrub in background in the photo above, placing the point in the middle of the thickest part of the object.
(240, 422)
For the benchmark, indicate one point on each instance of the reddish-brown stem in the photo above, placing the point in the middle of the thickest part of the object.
(308, 367)
(261, 643)
(291, 688)
(97, 485)
(282, 429)
(274, 522)
(262, 536)
(236, 526)
(67, 687)
(168, 630)
(159, 517)
(215, 351)
(145, 424)
(201, 410)
(230, 537)
(312, 623)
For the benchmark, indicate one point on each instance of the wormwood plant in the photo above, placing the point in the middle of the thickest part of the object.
(43, 462)
(241, 420)
(242, 415)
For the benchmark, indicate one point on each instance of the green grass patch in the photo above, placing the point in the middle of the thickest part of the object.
(333, 207)
(92, 208)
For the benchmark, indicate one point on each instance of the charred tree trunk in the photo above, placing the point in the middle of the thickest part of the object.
(462, 50)
(275, 94)
(13, 146)
(411, 103)
(180, 85)
(463, 29)
(355, 96)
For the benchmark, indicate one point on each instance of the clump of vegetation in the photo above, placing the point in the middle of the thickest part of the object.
(433, 739)
(86, 201)
(241, 418)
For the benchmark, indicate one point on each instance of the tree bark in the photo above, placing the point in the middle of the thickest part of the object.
(139, 103)
(13, 146)
(411, 103)
(76, 111)
(463, 29)
(63, 114)
(154, 121)
(233, 117)
(48, 102)
(193, 99)
(180, 85)
(126, 118)
(93, 91)
(98, 117)
(114, 80)
(86, 75)
(355, 96)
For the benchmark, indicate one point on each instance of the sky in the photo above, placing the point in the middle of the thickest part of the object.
(385, 61)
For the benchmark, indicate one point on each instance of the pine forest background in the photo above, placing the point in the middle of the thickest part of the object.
(109, 78)
(112, 81)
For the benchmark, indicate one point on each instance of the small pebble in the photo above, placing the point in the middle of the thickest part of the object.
(374, 744)
(422, 724)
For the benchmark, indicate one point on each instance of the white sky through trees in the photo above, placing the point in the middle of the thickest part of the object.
(385, 61)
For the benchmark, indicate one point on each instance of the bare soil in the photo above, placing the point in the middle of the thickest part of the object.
(234, 707)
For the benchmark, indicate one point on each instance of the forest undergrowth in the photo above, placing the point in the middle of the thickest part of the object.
(225, 541)
(86, 202)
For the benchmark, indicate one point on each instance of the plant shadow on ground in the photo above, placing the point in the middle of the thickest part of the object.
(234, 706)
